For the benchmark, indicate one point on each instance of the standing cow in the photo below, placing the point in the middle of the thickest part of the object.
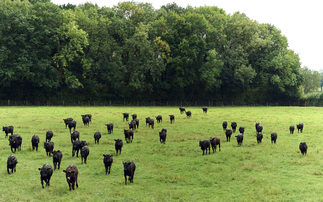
(46, 173)
(66, 121)
(300, 127)
(97, 137)
(204, 110)
(273, 137)
(125, 116)
(57, 158)
(172, 118)
(228, 133)
(49, 135)
(49, 147)
(118, 146)
(239, 139)
(11, 163)
(35, 142)
(234, 126)
(109, 128)
(224, 125)
(75, 135)
(129, 169)
(84, 153)
(205, 144)
(303, 148)
(7, 130)
(72, 124)
(71, 176)
(291, 129)
(215, 141)
(107, 160)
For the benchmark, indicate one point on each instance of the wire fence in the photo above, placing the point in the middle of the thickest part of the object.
(301, 103)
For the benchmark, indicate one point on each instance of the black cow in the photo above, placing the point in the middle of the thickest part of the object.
(125, 116)
(204, 109)
(109, 128)
(35, 142)
(259, 137)
(134, 116)
(49, 147)
(71, 125)
(128, 135)
(303, 147)
(159, 118)
(291, 129)
(86, 120)
(151, 123)
(66, 121)
(224, 125)
(188, 114)
(234, 126)
(7, 130)
(118, 146)
(215, 141)
(172, 118)
(57, 158)
(46, 173)
(259, 128)
(273, 137)
(162, 137)
(85, 151)
(205, 144)
(182, 110)
(90, 116)
(129, 169)
(228, 133)
(107, 160)
(239, 139)
(257, 124)
(136, 122)
(132, 125)
(300, 127)
(75, 135)
(77, 146)
(71, 176)
(11, 163)
(97, 137)
(49, 135)
(241, 129)
(147, 120)
(164, 129)
(15, 142)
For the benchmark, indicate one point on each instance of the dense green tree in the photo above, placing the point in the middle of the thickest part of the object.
(311, 80)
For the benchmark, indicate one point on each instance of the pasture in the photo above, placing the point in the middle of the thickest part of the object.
(175, 171)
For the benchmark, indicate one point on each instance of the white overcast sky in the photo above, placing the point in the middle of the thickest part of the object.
(299, 20)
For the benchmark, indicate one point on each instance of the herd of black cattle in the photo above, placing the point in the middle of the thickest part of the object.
(71, 171)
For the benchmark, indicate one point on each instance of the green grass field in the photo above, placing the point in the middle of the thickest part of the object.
(175, 171)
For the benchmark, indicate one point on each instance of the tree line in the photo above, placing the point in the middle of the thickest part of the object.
(133, 51)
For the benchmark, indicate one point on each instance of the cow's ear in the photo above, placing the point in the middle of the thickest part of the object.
(64, 171)
(39, 168)
(104, 155)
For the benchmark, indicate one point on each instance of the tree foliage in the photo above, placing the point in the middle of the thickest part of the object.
(133, 51)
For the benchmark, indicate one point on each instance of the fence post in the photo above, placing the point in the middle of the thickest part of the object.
(8, 102)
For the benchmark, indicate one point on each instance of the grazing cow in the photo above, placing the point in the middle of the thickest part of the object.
(204, 109)
(15, 142)
(66, 121)
(162, 137)
(228, 133)
(205, 144)
(259, 137)
(11, 163)
(118, 146)
(129, 170)
(107, 160)
(75, 135)
(97, 137)
(134, 116)
(109, 128)
(49, 135)
(72, 124)
(273, 137)
(35, 142)
(7, 130)
(215, 141)
(291, 129)
(259, 128)
(159, 118)
(234, 126)
(300, 127)
(188, 114)
(241, 129)
(46, 173)
(57, 158)
(172, 118)
(49, 147)
(84, 153)
(128, 135)
(303, 147)
(239, 139)
(125, 116)
(182, 110)
(224, 125)
(86, 120)
(71, 176)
